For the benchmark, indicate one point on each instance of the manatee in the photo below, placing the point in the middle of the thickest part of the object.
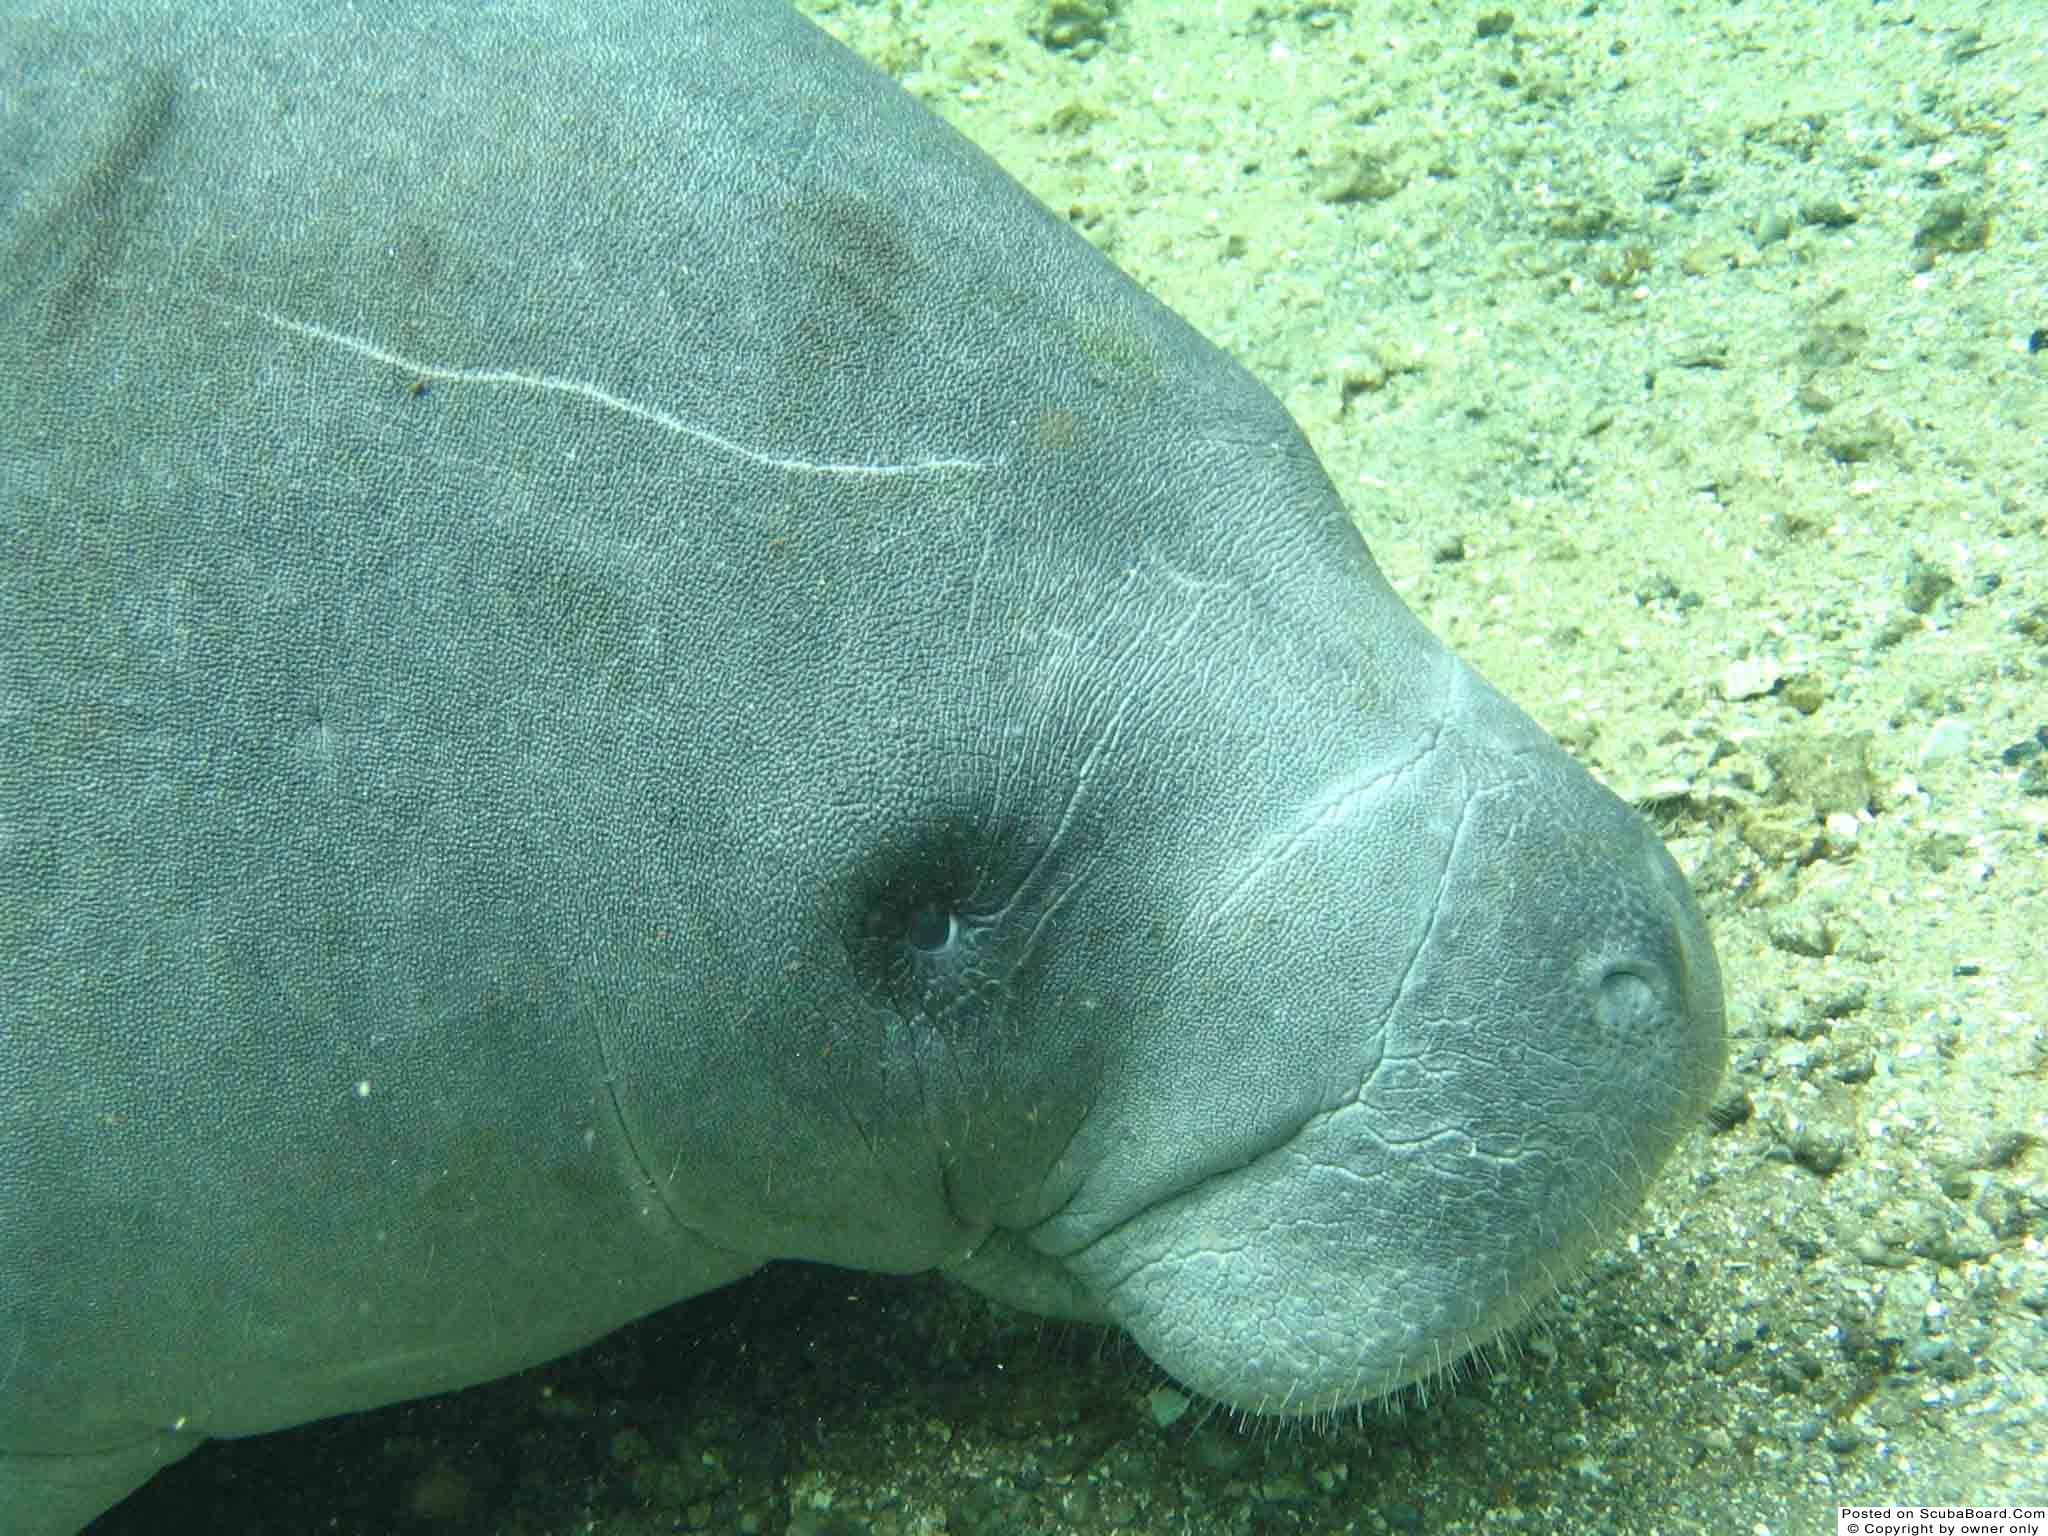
(618, 660)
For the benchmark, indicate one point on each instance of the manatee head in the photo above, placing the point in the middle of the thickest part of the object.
(1194, 944)
(1411, 1051)
(1403, 1025)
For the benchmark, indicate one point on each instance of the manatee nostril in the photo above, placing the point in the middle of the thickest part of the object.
(1629, 1007)
(931, 929)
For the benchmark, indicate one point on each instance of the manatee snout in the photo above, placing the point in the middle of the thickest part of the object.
(1533, 1019)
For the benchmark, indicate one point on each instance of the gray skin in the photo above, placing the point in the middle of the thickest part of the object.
(618, 660)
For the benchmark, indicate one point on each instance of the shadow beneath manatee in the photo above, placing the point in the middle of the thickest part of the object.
(694, 1418)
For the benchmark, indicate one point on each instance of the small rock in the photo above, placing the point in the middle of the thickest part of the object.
(1749, 677)
(1947, 737)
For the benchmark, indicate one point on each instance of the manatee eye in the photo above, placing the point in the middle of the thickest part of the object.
(931, 929)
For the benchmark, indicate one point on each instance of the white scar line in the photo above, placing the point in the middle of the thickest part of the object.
(578, 389)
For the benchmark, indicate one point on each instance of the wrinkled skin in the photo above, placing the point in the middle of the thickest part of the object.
(617, 661)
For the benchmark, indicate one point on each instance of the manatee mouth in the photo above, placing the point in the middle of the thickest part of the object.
(1307, 1282)
(1471, 1173)
(1342, 1268)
